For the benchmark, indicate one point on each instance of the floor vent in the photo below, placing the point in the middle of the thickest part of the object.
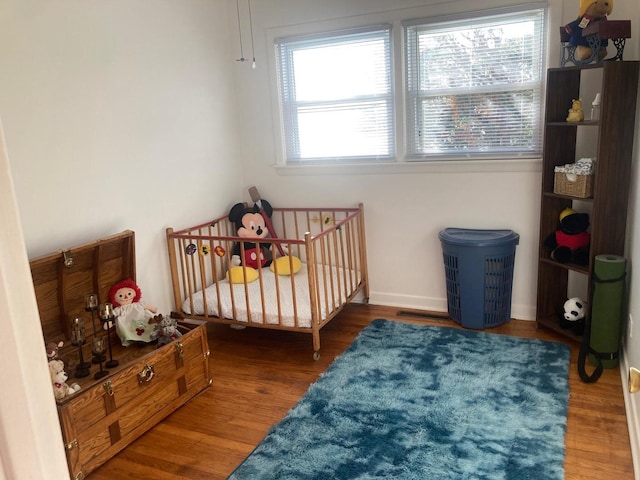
(436, 316)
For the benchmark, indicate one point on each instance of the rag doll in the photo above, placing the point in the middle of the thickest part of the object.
(132, 315)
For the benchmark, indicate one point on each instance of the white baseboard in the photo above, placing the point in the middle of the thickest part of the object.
(408, 301)
(632, 409)
(521, 312)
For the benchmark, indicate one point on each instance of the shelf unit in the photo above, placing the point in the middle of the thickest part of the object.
(618, 85)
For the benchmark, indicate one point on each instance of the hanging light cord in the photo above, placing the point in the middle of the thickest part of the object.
(241, 59)
(253, 53)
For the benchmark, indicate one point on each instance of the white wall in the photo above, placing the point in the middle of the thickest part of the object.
(28, 416)
(631, 340)
(119, 115)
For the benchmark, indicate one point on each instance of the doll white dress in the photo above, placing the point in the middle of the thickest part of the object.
(132, 324)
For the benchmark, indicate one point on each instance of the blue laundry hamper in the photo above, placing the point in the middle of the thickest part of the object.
(479, 272)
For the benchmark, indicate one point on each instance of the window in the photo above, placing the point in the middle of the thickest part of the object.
(336, 96)
(474, 86)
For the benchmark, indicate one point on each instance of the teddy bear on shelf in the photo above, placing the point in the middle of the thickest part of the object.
(132, 315)
(165, 329)
(589, 11)
(59, 380)
(576, 114)
(570, 242)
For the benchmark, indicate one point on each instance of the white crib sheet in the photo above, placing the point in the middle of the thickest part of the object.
(288, 310)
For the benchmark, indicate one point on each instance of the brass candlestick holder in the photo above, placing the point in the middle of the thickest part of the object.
(108, 317)
(98, 347)
(91, 305)
(78, 339)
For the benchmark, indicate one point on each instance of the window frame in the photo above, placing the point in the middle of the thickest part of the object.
(402, 164)
(289, 119)
(411, 97)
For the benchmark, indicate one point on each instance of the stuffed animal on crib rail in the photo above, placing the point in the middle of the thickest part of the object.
(59, 380)
(132, 315)
(251, 225)
(590, 11)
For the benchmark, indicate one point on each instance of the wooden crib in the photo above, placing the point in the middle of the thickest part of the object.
(329, 242)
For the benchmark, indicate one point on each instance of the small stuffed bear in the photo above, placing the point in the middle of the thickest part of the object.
(573, 316)
(570, 243)
(132, 315)
(590, 11)
(250, 224)
(59, 378)
(52, 350)
(166, 329)
(576, 114)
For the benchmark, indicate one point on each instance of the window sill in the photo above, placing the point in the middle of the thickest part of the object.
(452, 166)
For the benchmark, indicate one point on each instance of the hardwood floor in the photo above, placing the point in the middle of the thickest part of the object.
(258, 375)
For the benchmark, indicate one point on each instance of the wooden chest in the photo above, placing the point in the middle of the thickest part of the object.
(148, 384)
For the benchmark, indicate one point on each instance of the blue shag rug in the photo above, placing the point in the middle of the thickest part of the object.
(409, 401)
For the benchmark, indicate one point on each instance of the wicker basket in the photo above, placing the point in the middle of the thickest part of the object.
(574, 185)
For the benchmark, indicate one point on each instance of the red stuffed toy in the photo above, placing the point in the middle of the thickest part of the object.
(570, 243)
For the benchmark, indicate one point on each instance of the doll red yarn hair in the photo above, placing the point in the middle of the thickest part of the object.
(128, 283)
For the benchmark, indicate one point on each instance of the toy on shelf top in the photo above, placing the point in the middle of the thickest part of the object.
(585, 39)
(590, 11)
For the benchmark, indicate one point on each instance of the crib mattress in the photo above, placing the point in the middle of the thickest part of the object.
(292, 291)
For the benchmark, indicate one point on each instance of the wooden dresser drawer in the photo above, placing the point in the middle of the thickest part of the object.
(100, 421)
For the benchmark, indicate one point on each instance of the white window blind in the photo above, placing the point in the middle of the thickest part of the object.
(474, 86)
(336, 96)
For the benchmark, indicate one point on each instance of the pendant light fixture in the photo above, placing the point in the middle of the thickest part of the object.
(242, 57)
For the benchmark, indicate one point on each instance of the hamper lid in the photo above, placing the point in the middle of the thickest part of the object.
(478, 238)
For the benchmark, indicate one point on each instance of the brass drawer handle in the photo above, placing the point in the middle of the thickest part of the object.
(146, 374)
(108, 388)
(179, 349)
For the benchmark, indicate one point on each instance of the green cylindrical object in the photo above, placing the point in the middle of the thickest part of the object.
(606, 308)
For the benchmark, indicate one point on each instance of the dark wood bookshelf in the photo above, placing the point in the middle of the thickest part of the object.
(608, 205)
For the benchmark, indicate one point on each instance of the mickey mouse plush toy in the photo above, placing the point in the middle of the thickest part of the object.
(250, 224)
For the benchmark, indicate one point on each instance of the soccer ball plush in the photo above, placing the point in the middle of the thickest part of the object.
(573, 316)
